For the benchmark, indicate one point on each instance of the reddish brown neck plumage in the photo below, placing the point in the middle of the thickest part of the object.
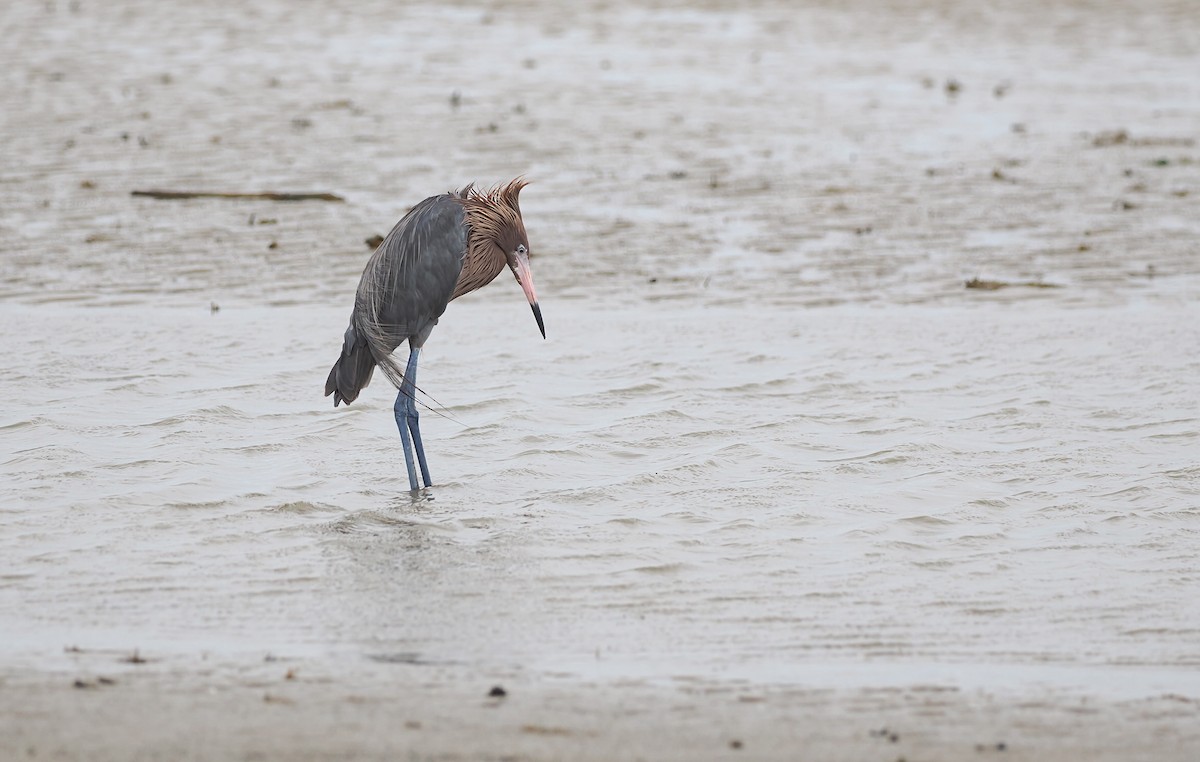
(495, 227)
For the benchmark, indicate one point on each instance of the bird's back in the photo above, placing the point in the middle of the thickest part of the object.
(410, 278)
(404, 290)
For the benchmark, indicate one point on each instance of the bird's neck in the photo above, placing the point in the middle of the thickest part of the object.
(482, 262)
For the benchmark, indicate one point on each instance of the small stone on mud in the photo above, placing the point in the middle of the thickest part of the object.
(735, 744)
(497, 692)
(374, 241)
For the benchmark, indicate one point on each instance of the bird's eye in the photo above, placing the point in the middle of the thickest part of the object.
(520, 248)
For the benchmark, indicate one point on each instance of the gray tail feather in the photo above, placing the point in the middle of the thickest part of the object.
(352, 372)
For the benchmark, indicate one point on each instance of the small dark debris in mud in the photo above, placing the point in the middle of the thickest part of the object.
(735, 744)
(953, 87)
(373, 241)
(1018, 127)
(995, 285)
(84, 684)
(291, 674)
(1122, 137)
(864, 230)
(1110, 138)
(273, 245)
(106, 681)
(269, 698)
(652, 280)
(497, 692)
(87, 185)
(890, 735)
(543, 730)
(214, 308)
(1121, 205)
(677, 174)
(1001, 177)
(1001, 89)
(412, 724)
(134, 658)
(1001, 746)
(455, 99)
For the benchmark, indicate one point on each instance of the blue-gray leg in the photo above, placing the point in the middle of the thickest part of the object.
(407, 422)
(410, 377)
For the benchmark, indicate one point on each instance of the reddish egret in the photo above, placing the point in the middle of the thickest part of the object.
(446, 246)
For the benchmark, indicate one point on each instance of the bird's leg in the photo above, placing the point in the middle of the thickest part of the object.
(410, 383)
(401, 410)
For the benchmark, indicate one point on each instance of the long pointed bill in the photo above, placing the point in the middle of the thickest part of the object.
(525, 278)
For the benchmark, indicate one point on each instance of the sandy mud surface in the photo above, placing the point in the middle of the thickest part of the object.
(865, 427)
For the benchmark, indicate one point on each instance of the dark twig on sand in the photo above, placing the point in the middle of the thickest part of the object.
(996, 285)
(267, 196)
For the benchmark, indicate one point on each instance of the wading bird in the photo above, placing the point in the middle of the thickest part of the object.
(446, 246)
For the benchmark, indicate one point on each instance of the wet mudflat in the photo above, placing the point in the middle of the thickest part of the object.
(868, 401)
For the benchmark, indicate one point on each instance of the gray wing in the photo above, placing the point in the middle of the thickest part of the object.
(409, 279)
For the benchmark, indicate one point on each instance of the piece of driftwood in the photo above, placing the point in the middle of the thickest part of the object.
(267, 196)
(996, 285)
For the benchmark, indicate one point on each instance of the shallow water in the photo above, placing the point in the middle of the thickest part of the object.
(770, 436)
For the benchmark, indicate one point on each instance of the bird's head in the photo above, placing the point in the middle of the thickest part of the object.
(518, 262)
(496, 215)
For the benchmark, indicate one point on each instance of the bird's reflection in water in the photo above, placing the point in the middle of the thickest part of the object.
(411, 578)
